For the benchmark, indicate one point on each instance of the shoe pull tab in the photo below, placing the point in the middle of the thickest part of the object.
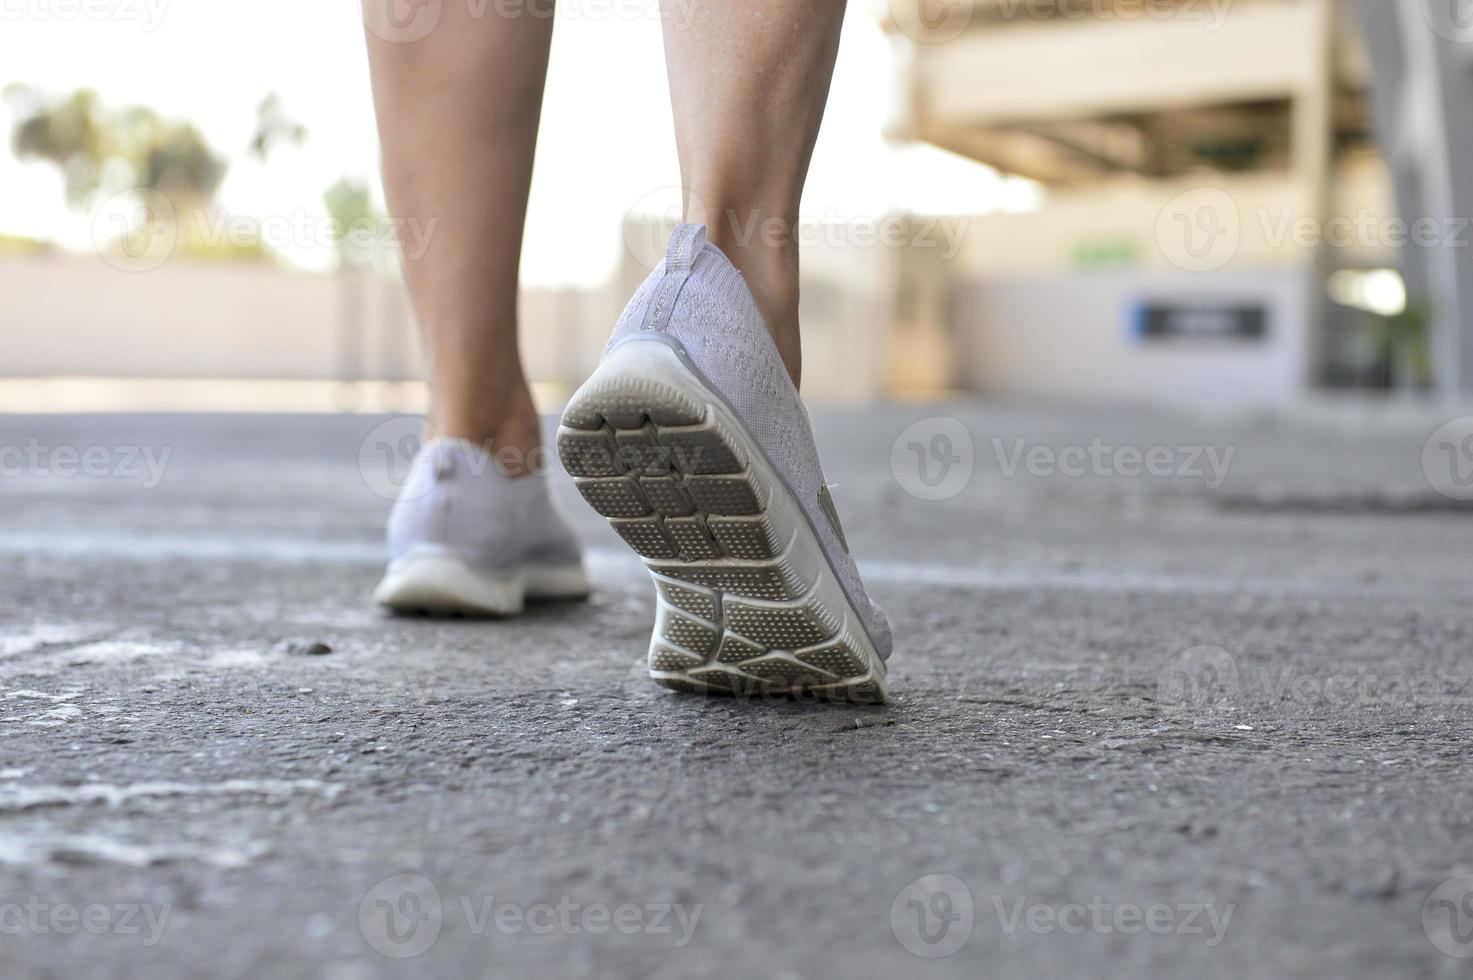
(686, 242)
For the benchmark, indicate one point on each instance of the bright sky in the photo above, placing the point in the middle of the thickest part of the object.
(607, 106)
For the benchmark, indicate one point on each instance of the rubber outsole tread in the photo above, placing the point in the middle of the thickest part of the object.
(746, 602)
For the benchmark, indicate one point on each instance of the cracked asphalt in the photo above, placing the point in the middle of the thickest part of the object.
(1150, 718)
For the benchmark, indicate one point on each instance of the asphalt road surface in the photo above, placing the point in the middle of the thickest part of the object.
(1172, 697)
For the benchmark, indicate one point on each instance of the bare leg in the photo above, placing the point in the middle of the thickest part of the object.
(457, 115)
(748, 83)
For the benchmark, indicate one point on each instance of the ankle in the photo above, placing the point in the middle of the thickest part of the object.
(510, 433)
(765, 250)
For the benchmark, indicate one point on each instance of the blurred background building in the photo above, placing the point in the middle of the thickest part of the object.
(1220, 221)
(1129, 200)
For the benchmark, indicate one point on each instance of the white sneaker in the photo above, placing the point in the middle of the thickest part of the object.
(691, 438)
(464, 538)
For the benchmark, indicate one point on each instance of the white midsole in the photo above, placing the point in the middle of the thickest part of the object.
(437, 578)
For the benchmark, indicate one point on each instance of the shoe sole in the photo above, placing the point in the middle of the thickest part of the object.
(433, 580)
(747, 603)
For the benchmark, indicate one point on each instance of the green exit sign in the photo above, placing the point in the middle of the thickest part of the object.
(1107, 253)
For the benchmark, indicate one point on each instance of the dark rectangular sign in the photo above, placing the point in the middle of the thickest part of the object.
(1207, 321)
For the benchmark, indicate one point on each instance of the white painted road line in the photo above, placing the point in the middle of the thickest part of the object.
(613, 565)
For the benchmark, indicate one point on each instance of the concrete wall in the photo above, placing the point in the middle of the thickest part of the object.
(75, 315)
(64, 315)
(1010, 312)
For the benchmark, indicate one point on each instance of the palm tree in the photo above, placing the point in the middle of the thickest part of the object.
(67, 132)
(101, 150)
(77, 134)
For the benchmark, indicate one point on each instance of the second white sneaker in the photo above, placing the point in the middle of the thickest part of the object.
(464, 538)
